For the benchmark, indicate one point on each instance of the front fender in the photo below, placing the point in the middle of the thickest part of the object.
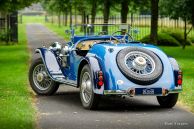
(51, 64)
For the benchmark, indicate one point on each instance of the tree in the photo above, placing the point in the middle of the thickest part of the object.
(58, 7)
(124, 10)
(106, 12)
(13, 5)
(93, 11)
(176, 9)
(154, 21)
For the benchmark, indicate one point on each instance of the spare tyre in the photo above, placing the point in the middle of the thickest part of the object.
(139, 65)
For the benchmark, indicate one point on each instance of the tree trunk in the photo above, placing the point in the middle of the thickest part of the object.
(93, 13)
(52, 19)
(66, 17)
(63, 19)
(70, 11)
(8, 29)
(124, 10)
(106, 14)
(75, 13)
(185, 33)
(131, 19)
(83, 28)
(59, 19)
(192, 18)
(154, 21)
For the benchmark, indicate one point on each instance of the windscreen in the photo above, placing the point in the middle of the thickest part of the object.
(99, 29)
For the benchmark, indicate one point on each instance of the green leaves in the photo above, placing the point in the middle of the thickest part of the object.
(178, 9)
(13, 5)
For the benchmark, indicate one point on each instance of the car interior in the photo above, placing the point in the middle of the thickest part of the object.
(83, 47)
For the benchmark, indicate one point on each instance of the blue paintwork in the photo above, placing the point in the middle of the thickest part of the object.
(103, 57)
(113, 74)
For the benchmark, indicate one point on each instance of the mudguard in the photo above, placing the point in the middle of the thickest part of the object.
(52, 66)
(174, 63)
(95, 67)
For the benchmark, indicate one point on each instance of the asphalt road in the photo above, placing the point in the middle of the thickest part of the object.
(64, 111)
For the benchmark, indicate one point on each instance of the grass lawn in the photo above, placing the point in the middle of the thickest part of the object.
(16, 108)
(185, 59)
(33, 19)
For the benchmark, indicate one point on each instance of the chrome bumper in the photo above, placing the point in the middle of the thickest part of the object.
(131, 92)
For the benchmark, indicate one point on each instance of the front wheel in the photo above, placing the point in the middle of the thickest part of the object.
(39, 79)
(168, 101)
(88, 98)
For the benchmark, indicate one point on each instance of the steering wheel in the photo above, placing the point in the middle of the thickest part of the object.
(121, 40)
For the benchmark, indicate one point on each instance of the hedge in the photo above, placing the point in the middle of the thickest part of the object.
(179, 37)
(164, 39)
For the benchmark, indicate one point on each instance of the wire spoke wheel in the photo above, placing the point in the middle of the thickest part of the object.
(88, 98)
(41, 78)
(139, 63)
(86, 87)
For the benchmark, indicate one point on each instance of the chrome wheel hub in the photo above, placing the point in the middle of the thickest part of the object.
(86, 87)
(40, 77)
(41, 80)
(139, 63)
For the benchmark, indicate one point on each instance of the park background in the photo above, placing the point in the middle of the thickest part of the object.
(167, 23)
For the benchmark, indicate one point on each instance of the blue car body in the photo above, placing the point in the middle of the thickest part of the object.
(102, 57)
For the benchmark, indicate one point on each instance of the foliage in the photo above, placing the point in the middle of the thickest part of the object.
(13, 5)
(178, 35)
(3, 36)
(142, 6)
(163, 40)
(178, 9)
(192, 39)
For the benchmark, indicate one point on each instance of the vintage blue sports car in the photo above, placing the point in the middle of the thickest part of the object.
(106, 64)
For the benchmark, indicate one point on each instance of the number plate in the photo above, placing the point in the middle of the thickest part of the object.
(148, 91)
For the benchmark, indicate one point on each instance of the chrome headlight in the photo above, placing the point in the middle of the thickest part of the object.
(65, 50)
(56, 46)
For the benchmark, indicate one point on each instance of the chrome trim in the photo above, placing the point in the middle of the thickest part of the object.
(115, 92)
(125, 92)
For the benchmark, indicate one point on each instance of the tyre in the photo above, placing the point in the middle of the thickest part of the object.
(39, 79)
(88, 98)
(168, 101)
(139, 65)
